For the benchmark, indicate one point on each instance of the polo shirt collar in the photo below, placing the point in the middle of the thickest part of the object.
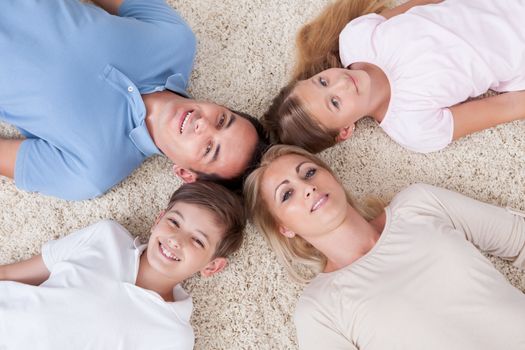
(177, 84)
(142, 140)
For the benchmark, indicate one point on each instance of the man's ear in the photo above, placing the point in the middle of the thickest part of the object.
(345, 133)
(286, 232)
(214, 266)
(184, 174)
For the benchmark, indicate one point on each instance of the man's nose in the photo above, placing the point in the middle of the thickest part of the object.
(201, 125)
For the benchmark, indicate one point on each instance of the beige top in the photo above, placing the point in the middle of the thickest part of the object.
(424, 285)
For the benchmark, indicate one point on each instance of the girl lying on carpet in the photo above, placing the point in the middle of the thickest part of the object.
(99, 288)
(407, 276)
(410, 68)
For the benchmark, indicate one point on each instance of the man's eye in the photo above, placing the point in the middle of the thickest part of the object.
(334, 102)
(323, 82)
(222, 119)
(174, 222)
(311, 172)
(286, 195)
(208, 148)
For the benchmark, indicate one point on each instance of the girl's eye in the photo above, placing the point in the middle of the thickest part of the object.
(174, 222)
(311, 172)
(208, 148)
(199, 242)
(323, 82)
(286, 195)
(222, 119)
(334, 102)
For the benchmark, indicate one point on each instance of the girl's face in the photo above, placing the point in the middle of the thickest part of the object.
(336, 97)
(183, 241)
(304, 198)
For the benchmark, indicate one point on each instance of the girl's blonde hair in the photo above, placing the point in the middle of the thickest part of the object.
(291, 252)
(317, 50)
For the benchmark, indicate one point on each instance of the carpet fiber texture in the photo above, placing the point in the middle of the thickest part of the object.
(245, 52)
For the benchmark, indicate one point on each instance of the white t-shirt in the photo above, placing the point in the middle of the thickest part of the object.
(436, 56)
(424, 285)
(90, 300)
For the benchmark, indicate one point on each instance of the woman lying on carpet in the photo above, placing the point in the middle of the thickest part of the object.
(410, 68)
(407, 276)
(98, 288)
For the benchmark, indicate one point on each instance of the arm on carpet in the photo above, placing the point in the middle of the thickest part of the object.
(389, 13)
(8, 150)
(110, 6)
(485, 113)
(32, 271)
(492, 229)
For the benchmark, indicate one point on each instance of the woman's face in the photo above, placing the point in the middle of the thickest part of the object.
(304, 198)
(336, 97)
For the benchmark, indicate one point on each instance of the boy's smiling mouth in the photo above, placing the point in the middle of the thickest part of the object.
(167, 254)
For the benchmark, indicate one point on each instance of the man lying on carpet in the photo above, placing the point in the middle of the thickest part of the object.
(98, 288)
(95, 94)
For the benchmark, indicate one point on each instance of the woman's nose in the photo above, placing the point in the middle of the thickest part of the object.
(309, 191)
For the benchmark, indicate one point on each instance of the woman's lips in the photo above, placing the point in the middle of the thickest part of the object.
(319, 202)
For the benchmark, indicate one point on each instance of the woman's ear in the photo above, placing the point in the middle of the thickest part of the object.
(286, 232)
(214, 266)
(345, 133)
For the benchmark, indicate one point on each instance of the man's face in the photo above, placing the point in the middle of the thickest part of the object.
(205, 137)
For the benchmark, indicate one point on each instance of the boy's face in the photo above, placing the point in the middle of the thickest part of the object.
(183, 242)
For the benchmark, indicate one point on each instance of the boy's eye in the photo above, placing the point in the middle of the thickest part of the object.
(222, 119)
(311, 172)
(334, 102)
(286, 195)
(174, 222)
(323, 81)
(199, 242)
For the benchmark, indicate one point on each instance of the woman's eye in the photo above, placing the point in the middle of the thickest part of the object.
(174, 222)
(287, 195)
(323, 82)
(311, 172)
(222, 119)
(334, 102)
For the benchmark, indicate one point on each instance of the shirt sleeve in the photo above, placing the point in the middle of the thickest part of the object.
(42, 167)
(151, 11)
(315, 331)
(356, 39)
(62, 249)
(495, 230)
(421, 131)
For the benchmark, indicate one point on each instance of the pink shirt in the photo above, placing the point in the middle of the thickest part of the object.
(436, 56)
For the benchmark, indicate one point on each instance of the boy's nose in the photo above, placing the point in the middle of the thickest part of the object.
(174, 243)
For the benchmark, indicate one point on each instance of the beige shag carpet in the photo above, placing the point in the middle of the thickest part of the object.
(245, 53)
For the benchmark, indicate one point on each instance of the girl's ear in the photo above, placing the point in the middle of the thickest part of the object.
(214, 266)
(286, 232)
(345, 133)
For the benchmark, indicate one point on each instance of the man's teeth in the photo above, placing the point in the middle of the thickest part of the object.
(168, 254)
(184, 121)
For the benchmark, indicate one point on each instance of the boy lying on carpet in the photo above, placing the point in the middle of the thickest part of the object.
(99, 288)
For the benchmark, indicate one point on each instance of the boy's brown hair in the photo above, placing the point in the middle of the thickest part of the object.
(226, 206)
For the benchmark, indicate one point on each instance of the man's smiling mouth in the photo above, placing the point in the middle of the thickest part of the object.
(185, 121)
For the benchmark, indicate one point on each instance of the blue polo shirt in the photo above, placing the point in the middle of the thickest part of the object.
(71, 79)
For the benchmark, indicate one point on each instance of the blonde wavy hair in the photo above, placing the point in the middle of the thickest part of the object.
(292, 252)
(317, 42)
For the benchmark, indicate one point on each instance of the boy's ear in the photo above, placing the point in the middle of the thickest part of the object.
(286, 232)
(214, 266)
(186, 175)
(345, 133)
